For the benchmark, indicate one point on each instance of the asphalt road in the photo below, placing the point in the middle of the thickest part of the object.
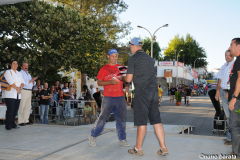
(199, 114)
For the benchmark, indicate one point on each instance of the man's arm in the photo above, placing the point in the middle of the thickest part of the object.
(44, 97)
(47, 97)
(236, 93)
(127, 78)
(66, 95)
(50, 96)
(218, 90)
(105, 83)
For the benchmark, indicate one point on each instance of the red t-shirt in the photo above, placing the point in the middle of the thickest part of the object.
(106, 73)
(206, 87)
(195, 86)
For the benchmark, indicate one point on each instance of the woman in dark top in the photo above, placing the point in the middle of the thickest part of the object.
(38, 94)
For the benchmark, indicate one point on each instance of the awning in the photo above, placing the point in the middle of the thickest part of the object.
(4, 2)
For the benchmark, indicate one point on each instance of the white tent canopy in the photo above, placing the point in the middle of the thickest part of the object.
(3, 2)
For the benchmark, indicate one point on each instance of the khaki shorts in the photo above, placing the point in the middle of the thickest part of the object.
(172, 97)
(188, 98)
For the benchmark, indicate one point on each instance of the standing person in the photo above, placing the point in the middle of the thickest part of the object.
(25, 104)
(160, 94)
(191, 86)
(234, 97)
(53, 99)
(222, 89)
(71, 90)
(44, 104)
(57, 87)
(195, 86)
(86, 93)
(35, 88)
(93, 90)
(172, 93)
(141, 71)
(206, 89)
(180, 89)
(113, 100)
(184, 93)
(12, 97)
(67, 96)
(38, 95)
(188, 93)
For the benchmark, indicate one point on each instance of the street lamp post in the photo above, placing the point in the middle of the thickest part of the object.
(153, 37)
(195, 61)
(177, 66)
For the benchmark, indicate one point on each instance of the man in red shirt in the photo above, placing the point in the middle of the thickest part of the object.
(195, 86)
(113, 100)
(206, 89)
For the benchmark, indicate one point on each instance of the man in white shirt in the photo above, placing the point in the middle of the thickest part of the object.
(93, 90)
(222, 88)
(25, 104)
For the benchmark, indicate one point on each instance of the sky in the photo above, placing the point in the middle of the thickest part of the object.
(212, 23)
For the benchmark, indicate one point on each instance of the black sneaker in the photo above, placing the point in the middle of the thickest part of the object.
(21, 124)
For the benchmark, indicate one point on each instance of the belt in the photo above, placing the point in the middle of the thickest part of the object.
(225, 90)
(27, 89)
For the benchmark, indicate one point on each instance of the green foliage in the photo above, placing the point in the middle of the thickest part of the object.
(178, 96)
(156, 48)
(191, 51)
(106, 12)
(238, 111)
(50, 38)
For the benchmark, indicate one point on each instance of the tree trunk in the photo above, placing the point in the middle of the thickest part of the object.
(83, 80)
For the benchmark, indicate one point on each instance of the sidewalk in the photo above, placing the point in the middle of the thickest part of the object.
(50, 142)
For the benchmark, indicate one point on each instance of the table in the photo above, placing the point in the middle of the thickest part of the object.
(3, 110)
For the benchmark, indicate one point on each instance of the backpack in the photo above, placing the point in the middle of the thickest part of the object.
(4, 84)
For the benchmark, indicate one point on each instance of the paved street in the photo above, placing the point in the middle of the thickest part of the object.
(199, 114)
(50, 142)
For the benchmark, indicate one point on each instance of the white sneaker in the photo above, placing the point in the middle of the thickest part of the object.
(92, 141)
(124, 143)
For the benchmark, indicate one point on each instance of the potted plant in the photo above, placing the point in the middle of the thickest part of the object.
(178, 98)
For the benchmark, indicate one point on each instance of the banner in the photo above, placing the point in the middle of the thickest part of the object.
(180, 64)
(165, 63)
(194, 74)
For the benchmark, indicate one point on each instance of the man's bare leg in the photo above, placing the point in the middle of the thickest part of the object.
(141, 132)
(160, 134)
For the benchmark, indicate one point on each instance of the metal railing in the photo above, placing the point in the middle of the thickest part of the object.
(60, 112)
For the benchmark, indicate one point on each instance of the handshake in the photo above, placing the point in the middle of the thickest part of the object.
(115, 80)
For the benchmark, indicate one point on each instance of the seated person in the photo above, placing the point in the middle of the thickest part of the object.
(88, 112)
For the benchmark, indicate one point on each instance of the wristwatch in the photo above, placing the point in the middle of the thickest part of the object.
(233, 96)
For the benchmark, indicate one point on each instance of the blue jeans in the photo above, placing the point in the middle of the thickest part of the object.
(117, 105)
(44, 113)
(226, 111)
(67, 109)
(234, 124)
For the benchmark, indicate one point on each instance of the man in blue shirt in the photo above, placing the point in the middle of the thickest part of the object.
(191, 86)
(25, 104)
